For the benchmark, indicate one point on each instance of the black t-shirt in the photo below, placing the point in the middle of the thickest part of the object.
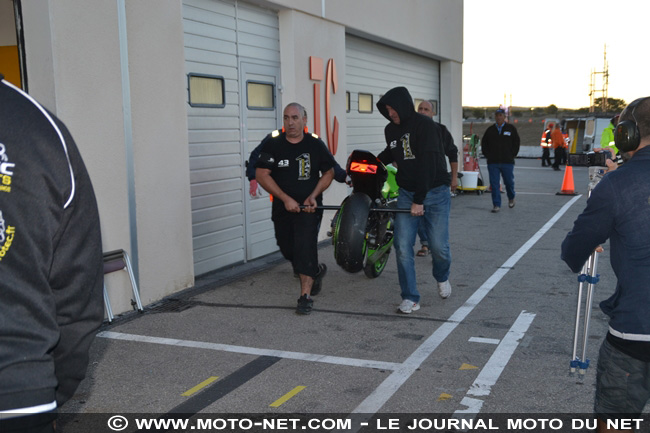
(295, 167)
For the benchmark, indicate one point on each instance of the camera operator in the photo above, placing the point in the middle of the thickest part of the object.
(619, 209)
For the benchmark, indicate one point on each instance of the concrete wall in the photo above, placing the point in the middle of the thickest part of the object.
(7, 27)
(429, 28)
(74, 68)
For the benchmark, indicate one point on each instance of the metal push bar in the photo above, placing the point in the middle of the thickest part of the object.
(372, 209)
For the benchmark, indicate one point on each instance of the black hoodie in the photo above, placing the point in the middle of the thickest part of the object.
(51, 267)
(415, 145)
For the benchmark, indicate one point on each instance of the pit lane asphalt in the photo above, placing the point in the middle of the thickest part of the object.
(239, 325)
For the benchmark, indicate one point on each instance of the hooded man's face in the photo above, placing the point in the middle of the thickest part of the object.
(393, 114)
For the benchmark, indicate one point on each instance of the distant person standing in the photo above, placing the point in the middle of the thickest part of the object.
(451, 151)
(607, 138)
(546, 144)
(500, 146)
(558, 147)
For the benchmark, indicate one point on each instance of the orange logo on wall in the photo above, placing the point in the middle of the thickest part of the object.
(331, 84)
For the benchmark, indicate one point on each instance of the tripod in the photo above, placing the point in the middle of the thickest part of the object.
(590, 277)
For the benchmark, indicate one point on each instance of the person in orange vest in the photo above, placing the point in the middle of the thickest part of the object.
(546, 146)
(558, 142)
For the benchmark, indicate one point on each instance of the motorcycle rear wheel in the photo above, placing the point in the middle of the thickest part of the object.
(375, 270)
(350, 232)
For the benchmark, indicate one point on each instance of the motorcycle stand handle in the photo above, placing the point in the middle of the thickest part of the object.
(372, 209)
(589, 276)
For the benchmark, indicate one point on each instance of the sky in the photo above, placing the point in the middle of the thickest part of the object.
(542, 52)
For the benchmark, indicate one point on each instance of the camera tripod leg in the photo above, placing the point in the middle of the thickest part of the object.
(590, 277)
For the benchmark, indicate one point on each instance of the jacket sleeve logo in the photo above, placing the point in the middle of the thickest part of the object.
(6, 237)
(6, 170)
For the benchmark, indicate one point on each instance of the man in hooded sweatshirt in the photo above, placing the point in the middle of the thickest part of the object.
(415, 145)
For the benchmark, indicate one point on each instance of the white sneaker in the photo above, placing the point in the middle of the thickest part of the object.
(407, 306)
(444, 289)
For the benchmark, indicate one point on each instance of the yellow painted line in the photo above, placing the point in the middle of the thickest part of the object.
(200, 386)
(444, 396)
(287, 396)
(467, 367)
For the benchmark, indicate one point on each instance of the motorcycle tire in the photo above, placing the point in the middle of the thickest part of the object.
(350, 232)
(375, 270)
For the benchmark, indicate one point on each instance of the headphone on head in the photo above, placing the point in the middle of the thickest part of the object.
(626, 135)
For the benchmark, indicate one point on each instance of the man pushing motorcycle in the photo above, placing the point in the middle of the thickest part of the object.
(415, 145)
(296, 168)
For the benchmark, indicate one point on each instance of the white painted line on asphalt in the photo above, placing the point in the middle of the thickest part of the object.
(337, 360)
(376, 400)
(474, 405)
(490, 373)
(484, 340)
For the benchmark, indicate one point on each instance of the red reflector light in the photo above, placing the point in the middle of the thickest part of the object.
(363, 168)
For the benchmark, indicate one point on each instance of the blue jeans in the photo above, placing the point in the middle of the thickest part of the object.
(422, 234)
(437, 204)
(507, 172)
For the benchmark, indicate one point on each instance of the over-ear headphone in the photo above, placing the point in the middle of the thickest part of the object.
(626, 135)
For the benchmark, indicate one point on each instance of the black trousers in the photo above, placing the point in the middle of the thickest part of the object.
(297, 236)
(560, 157)
(546, 156)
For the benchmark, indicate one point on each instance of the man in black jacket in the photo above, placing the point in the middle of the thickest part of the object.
(415, 144)
(296, 168)
(500, 145)
(50, 264)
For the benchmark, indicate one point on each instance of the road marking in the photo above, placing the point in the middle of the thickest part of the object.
(536, 193)
(200, 401)
(200, 386)
(484, 340)
(468, 367)
(444, 396)
(378, 398)
(279, 402)
(337, 360)
(474, 405)
(490, 373)
(400, 372)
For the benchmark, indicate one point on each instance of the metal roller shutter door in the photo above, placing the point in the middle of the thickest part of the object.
(220, 36)
(375, 68)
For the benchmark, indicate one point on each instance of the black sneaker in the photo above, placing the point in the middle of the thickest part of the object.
(318, 281)
(305, 305)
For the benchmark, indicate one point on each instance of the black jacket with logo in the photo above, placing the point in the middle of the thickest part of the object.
(51, 269)
(295, 167)
(500, 148)
(415, 145)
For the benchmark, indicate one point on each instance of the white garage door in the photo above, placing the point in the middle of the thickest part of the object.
(227, 45)
(371, 70)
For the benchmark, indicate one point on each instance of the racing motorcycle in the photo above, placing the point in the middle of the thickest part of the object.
(362, 229)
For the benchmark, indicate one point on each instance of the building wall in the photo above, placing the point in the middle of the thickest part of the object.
(125, 103)
(80, 79)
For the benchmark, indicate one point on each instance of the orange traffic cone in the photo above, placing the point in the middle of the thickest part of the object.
(567, 183)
